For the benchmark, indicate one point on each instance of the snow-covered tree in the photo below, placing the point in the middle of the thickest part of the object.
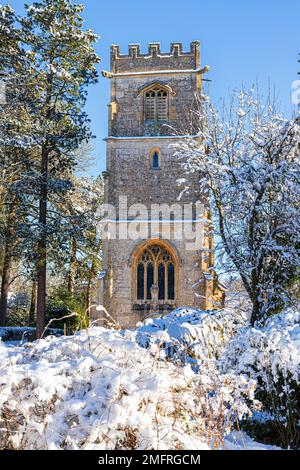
(62, 67)
(77, 249)
(16, 129)
(247, 157)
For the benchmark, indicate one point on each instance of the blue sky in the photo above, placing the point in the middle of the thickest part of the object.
(244, 42)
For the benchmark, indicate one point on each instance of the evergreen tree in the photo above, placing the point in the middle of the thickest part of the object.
(16, 127)
(62, 67)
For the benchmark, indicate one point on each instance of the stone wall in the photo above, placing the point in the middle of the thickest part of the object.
(130, 173)
(119, 288)
(176, 59)
(128, 120)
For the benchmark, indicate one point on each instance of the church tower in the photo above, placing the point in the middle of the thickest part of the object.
(151, 98)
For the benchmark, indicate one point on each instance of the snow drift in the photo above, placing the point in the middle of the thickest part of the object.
(178, 382)
(189, 335)
(101, 390)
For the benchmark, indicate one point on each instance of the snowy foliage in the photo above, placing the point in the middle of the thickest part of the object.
(269, 352)
(249, 158)
(271, 356)
(182, 381)
(190, 335)
(101, 390)
(17, 299)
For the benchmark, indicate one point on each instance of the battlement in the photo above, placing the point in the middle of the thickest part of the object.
(154, 59)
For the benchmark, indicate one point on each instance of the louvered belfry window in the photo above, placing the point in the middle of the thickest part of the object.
(156, 105)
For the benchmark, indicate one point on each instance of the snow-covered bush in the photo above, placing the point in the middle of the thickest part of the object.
(101, 390)
(21, 334)
(271, 356)
(190, 335)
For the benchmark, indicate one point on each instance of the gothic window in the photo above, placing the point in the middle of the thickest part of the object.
(155, 266)
(156, 105)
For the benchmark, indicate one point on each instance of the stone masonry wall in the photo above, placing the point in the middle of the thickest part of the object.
(128, 97)
(155, 59)
(130, 173)
(118, 286)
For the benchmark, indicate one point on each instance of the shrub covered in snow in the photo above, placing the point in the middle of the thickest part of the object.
(178, 382)
(190, 335)
(101, 390)
(24, 333)
(271, 356)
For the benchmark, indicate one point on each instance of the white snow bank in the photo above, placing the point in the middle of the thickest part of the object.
(191, 335)
(238, 440)
(271, 356)
(101, 390)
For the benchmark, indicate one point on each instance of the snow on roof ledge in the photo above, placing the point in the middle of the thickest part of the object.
(146, 137)
(200, 70)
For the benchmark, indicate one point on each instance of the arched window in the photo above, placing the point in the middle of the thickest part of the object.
(156, 104)
(155, 266)
(155, 160)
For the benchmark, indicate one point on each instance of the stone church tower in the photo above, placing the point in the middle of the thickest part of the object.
(151, 98)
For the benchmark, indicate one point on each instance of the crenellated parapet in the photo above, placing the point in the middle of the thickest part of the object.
(154, 59)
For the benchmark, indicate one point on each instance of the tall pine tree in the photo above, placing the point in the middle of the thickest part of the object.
(63, 65)
(16, 128)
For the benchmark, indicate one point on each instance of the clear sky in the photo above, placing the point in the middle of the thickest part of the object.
(244, 42)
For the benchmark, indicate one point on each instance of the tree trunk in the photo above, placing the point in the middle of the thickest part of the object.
(256, 304)
(255, 311)
(88, 293)
(71, 280)
(42, 249)
(7, 262)
(32, 302)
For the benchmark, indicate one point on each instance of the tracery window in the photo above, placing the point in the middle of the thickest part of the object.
(155, 268)
(156, 104)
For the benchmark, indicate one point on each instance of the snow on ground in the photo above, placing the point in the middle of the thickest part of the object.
(191, 335)
(165, 385)
(101, 390)
(238, 440)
